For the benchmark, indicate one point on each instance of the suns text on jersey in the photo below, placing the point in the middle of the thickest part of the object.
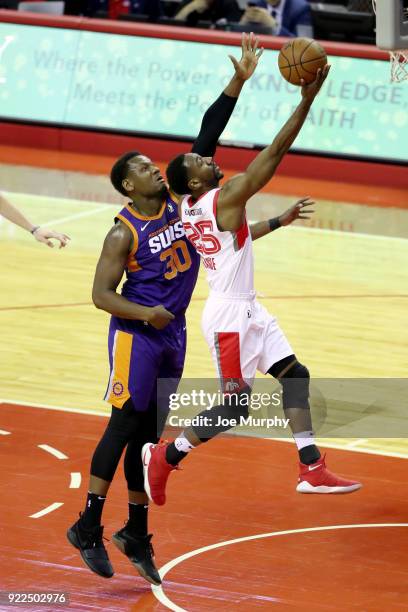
(165, 236)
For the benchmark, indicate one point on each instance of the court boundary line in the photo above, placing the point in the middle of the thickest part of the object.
(160, 595)
(53, 451)
(102, 413)
(85, 213)
(96, 412)
(76, 480)
(351, 449)
(67, 200)
(42, 306)
(262, 296)
(46, 510)
(325, 230)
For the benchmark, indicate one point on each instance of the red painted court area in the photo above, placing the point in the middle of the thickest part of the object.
(228, 489)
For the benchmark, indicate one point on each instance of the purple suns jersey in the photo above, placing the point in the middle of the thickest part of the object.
(162, 267)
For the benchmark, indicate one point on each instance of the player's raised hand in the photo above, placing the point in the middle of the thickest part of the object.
(159, 317)
(246, 66)
(310, 91)
(45, 235)
(299, 210)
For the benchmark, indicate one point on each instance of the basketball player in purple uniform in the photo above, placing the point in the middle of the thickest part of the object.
(147, 335)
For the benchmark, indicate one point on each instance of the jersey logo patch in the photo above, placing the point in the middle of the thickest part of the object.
(230, 386)
(117, 388)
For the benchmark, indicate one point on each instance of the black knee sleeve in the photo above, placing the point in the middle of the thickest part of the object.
(147, 432)
(295, 386)
(122, 426)
(133, 466)
(221, 418)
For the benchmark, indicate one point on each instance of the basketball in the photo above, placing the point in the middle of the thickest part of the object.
(301, 58)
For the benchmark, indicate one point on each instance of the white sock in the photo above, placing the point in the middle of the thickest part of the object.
(182, 444)
(303, 439)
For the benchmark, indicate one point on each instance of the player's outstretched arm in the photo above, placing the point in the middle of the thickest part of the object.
(235, 193)
(42, 234)
(219, 113)
(108, 274)
(299, 210)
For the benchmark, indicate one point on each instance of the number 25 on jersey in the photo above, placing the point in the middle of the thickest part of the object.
(201, 237)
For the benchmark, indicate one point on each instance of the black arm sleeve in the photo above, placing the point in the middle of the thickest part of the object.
(213, 125)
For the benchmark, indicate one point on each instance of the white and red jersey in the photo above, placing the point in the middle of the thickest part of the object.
(227, 256)
(242, 336)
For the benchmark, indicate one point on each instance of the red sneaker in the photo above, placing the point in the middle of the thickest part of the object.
(156, 471)
(316, 478)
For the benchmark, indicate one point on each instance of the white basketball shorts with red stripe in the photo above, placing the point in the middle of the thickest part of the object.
(243, 337)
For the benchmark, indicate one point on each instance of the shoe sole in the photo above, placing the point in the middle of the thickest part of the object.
(118, 542)
(146, 456)
(72, 539)
(306, 487)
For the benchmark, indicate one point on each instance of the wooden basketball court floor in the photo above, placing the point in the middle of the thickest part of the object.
(234, 535)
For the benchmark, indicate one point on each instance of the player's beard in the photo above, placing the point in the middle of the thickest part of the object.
(218, 174)
(163, 191)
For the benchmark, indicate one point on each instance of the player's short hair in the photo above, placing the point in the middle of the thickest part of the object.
(119, 171)
(177, 175)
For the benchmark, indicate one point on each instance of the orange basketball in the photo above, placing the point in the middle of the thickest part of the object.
(301, 58)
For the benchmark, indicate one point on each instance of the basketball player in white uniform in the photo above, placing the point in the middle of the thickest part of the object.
(243, 337)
